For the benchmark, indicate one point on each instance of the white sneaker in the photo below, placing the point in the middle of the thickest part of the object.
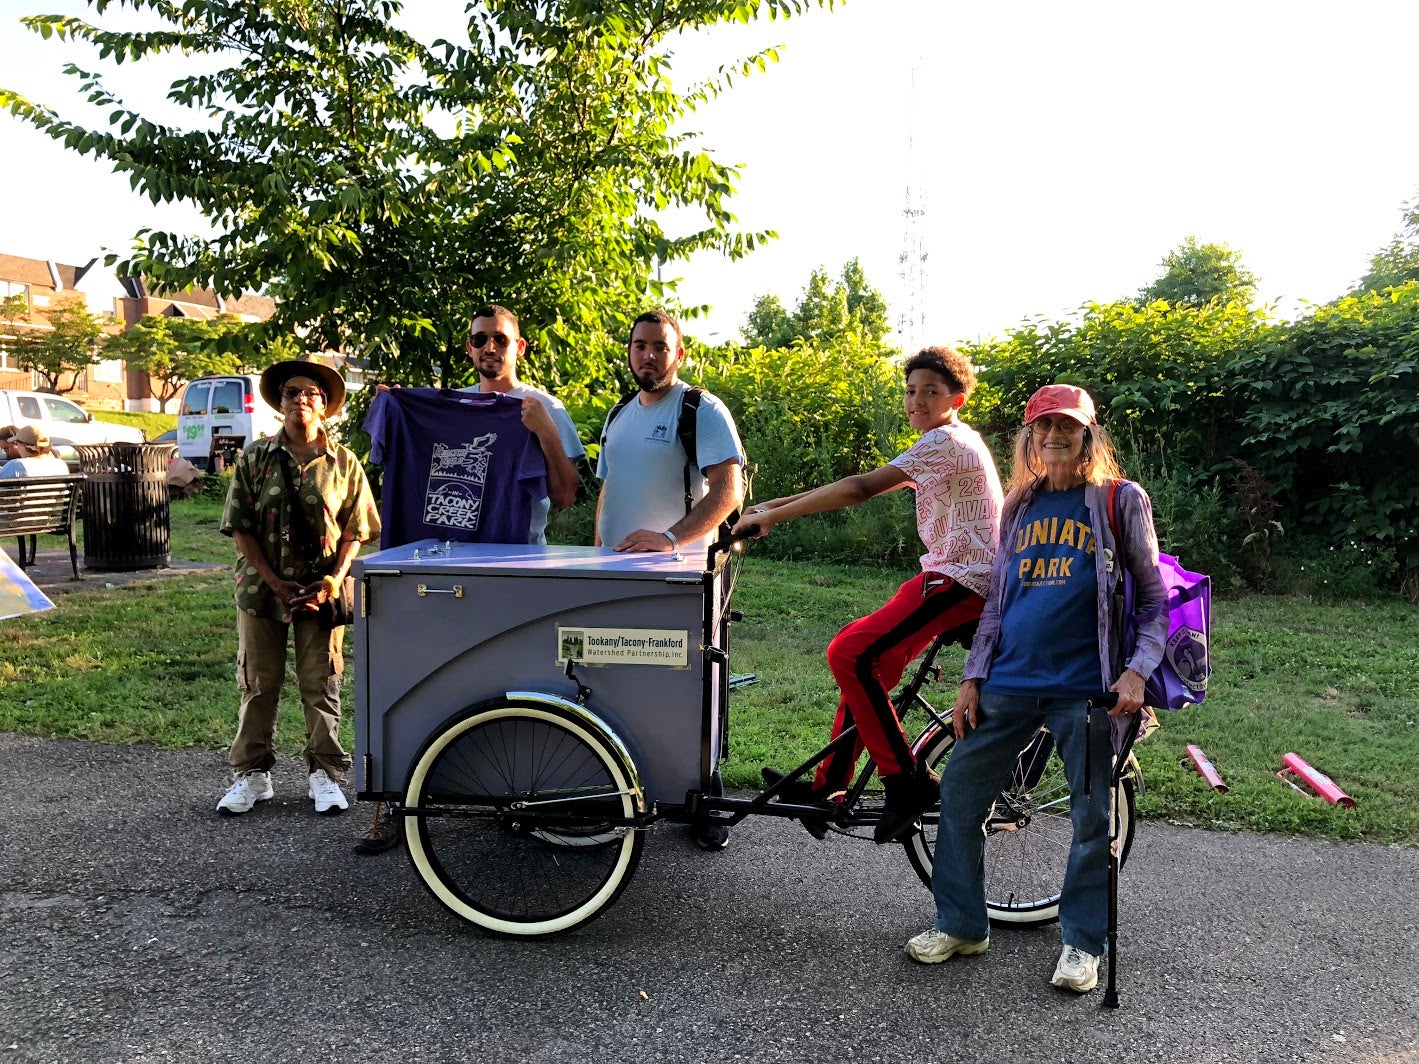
(326, 793)
(1076, 970)
(248, 789)
(933, 946)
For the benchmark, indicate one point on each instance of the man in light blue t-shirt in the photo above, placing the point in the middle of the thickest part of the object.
(642, 464)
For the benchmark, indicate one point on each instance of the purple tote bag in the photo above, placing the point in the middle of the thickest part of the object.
(1180, 680)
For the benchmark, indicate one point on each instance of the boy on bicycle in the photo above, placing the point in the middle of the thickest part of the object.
(958, 503)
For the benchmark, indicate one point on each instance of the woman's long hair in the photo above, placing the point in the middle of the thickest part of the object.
(1097, 462)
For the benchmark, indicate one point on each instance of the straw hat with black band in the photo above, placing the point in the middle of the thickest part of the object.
(274, 378)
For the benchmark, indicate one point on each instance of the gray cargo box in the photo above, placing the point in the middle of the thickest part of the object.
(443, 627)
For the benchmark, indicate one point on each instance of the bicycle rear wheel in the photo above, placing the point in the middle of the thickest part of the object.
(519, 818)
(1027, 832)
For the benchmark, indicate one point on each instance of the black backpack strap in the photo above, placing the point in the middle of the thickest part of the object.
(685, 433)
(620, 405)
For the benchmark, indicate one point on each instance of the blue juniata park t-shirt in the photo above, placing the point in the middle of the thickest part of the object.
(1049, 630)
(457, 466)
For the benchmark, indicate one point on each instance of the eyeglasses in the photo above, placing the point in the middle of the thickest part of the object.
(310, 395)
(500, 340)
(1066, 425)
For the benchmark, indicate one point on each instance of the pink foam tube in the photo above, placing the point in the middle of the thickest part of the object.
(1206, 769)
(1316, 780)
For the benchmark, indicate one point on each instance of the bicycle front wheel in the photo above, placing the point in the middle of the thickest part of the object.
(1027, 832)
(518, 818)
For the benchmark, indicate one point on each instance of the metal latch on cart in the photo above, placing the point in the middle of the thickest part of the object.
(456, 590)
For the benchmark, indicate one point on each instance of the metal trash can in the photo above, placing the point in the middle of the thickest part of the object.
(127, 521)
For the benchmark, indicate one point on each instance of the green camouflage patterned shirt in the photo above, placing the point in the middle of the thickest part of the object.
(332, 492)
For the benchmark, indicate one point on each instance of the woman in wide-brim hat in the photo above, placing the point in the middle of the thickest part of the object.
(275, 376)
(298, 509)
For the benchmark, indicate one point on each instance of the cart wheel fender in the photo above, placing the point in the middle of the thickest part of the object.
(926, 739)
(555, 703)
(593, 721)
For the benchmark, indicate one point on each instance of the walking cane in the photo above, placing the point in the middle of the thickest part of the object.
(1120, 765)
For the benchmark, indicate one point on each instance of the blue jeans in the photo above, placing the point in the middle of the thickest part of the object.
(979, 769)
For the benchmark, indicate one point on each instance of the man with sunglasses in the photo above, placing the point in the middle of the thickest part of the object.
(494, 345)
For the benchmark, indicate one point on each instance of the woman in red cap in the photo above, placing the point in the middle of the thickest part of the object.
(1048, 640)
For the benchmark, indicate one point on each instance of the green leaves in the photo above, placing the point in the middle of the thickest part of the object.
(1196, 274)
(71, 340)
(382, 189)
(1319, 410)
(828, 313)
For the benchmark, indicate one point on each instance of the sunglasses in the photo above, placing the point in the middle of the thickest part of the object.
(311, 394)
(500, 340)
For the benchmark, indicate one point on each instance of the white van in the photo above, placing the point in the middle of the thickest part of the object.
(227, 406)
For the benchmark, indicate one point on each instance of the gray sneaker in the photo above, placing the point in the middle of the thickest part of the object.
(329, 799)
(1076, 970)
(933, 946)
(248, 789)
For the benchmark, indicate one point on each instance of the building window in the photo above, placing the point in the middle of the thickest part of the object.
(9, 289)
(109, 371)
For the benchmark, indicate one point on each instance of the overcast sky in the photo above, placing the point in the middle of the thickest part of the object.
(1062, 149)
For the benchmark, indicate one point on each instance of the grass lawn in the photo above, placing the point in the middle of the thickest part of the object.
(154, 662)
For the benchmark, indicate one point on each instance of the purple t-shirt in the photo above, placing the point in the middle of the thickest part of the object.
(457, 465)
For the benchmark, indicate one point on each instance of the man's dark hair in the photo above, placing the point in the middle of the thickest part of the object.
(494, 310)
(954, 368)
(659, 317)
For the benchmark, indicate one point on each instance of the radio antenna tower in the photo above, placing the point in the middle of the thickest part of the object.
(911, 262)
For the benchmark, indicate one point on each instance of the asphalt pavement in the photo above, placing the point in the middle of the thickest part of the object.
(140, 926)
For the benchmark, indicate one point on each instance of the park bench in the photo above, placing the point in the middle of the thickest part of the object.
(35, 506)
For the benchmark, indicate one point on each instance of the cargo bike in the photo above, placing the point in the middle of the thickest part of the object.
(530, 712)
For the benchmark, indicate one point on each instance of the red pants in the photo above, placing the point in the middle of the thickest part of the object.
(867, 659)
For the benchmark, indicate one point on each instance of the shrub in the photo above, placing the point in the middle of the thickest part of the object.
(1328, 404)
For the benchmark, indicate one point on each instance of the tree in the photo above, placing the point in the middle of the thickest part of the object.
(69, 346)
(769, 324)
(382, 188)
(827, 312)
(1195, 274)
(173, 351)
(13, 309)
(1399, 262)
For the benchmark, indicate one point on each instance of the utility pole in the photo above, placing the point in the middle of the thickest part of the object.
(911, 262)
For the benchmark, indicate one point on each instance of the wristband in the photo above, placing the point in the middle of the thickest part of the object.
(674, 543)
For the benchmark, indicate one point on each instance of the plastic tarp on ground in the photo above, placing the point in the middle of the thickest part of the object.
(18, 594)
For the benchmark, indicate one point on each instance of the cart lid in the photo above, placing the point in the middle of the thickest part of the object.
(504, 559)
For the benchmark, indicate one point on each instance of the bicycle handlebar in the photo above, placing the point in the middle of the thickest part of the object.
(1104, 700)
(720, 546)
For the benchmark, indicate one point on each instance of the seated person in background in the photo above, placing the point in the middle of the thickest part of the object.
(958, 519)
(8, 450)
(33, 456)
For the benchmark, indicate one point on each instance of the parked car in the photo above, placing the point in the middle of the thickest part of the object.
(64, 421)
(226, 406)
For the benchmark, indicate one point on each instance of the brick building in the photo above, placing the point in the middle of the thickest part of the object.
(122, 301)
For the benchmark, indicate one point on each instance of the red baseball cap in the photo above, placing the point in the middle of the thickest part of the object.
(1061, 399)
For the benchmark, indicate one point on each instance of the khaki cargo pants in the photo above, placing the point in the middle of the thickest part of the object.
(261, 672)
